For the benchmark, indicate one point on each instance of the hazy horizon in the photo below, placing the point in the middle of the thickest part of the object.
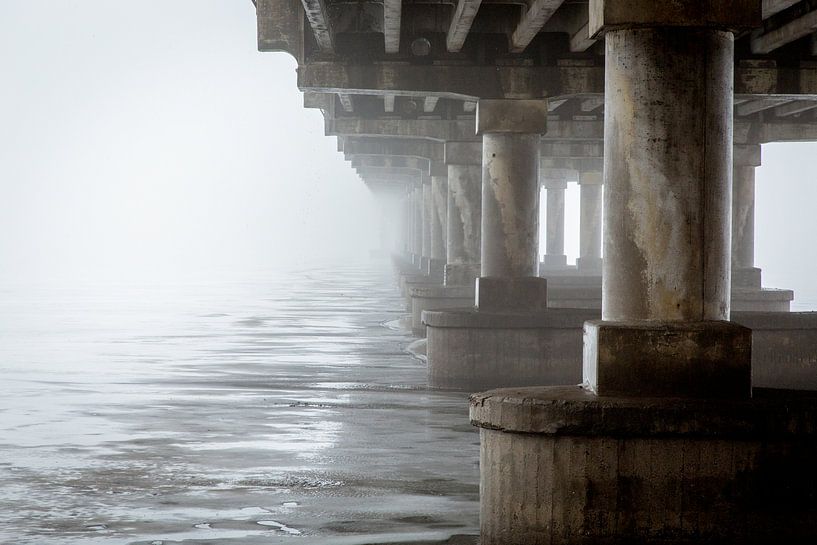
(158, 143)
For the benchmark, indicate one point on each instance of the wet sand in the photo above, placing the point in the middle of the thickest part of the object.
(281, 410)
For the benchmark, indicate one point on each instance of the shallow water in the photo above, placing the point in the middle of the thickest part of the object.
(271, 410)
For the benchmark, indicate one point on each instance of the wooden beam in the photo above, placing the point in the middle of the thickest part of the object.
(461, 22)
(318, 17)
(786, 34)
(392, 15)
(532, 22)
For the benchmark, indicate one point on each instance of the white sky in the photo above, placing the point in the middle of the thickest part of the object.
(152, 138)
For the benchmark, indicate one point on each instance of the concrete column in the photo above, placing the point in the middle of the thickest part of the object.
(555, 257)
(667, 240)
(464, 161)
(417, 223)
(589, 261)
(428, 211)
(439, 218)
(510, 204)
(744, 272)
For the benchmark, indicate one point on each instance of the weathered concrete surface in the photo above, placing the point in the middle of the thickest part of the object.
(501, 294)
(783, 352)
(510, 205)
(435, 297)
(560, 465)
(555, 257)
(439, 218)
(464, 212)
(668, 173)
(243, 413)
(590, 212)
(668, 359)
(472, 350)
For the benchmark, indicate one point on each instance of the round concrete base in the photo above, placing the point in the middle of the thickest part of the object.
(473, 350)
(560, 465)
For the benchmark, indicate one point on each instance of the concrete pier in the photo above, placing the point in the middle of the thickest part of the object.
(589, 261)
(663, 441)
(555, 257)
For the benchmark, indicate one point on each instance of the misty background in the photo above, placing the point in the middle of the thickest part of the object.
(152, 141)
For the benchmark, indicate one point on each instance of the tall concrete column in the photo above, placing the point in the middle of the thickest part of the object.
(667, 243)
(744, 272)
(510, 132)
(555, 257)
(589, 261)
(464, 160)
(428, 212)
(439, 219)
(417, 224)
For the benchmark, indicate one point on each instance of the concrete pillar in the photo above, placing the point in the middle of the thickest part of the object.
(744, 272)
(417, 237)
(667, 243)
(428, 211)
(464, 160)
(510, 132)
(439, 217)
(589, 261)
(555, 257)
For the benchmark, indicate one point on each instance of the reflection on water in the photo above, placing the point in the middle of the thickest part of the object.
(236, 411)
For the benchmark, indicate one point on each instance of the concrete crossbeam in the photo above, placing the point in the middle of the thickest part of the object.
(317, 14)
(402, 147)
(534, 18)
(755, 106)
(795, 107)
(777, 38)
(461, 22)
(770, 7)
(392, 15)
(753, 79)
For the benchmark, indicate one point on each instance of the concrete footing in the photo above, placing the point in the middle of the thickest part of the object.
(434, 297)
(472, 350)
(561, 465)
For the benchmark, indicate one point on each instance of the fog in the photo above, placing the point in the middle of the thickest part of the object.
(153, 140)
(156, 142)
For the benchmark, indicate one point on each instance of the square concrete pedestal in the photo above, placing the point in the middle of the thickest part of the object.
(564, 466)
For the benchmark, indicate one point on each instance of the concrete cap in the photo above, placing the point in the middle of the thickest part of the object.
(463, 153)
(607, 15)
(526, 294)
(747, 155)
(706, 359)
(574, 411)
(439, 169)
(517, 116)
(591, 177)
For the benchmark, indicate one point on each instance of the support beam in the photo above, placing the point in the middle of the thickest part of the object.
(538, 13)
(755, 106)
(589, 104)
(461, 22)
(430, 104)
(777, 38)
(468, 106)
(795, 107)
(346, 102)
(770, 7)
(388, 103)
(318, 16)
(392, 15)
(581, 40)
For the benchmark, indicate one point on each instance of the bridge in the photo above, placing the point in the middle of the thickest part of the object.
(686, 426)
